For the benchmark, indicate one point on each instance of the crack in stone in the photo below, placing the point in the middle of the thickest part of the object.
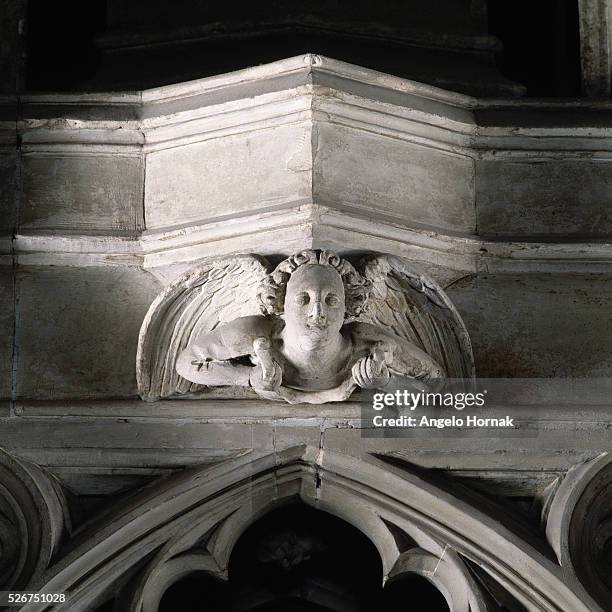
(439, 560)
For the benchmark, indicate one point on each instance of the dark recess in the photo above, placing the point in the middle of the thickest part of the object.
(70, 45)
(297, 559)
(541, 45)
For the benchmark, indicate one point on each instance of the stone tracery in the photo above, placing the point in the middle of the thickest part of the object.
(187, 516)
(34, 521)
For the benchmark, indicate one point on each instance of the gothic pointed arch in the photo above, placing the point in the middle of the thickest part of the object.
(191, 511)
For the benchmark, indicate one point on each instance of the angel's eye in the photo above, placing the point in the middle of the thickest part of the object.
(332, 300)
(302, 299)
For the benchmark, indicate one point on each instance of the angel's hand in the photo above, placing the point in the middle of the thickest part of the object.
(371, 372)
(267, 375)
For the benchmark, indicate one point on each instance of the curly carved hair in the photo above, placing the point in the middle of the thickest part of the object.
(271, 292)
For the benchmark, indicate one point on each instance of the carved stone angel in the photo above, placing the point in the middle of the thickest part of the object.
(310, 331)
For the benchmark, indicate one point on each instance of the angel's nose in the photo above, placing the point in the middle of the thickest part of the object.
(316, 312)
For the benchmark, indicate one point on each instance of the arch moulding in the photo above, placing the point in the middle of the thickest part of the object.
(154, 535)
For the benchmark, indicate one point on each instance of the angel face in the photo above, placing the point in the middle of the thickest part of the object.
(315, 303)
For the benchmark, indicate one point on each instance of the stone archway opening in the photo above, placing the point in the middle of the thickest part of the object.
(414, 593)
(299, 559)
(298, 555)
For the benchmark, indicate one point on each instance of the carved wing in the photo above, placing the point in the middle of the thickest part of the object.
(210, 294)
(416, 308)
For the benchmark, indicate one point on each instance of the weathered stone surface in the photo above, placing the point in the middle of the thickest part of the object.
(82, 192)
(188, 436)
(389, 178)
(78, 329)
(538, 325)
(544, 198)
(307, 153)
(578, 525)
(7, 323)
(595, 47)
(8, 193)
(193, 432)
(226, 154)
(226, 177)
(35, 521)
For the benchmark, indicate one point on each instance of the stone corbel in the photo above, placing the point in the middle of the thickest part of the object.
(313, 329)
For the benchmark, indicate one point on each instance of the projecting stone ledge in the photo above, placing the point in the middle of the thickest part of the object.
(305, 140)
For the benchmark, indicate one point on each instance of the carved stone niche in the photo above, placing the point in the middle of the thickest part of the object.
(313, 329)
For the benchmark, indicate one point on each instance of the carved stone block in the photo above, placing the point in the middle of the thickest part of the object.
(85, 192)
(106, 305)
(311, 330)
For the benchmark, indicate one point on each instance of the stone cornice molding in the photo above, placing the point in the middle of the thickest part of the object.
(433, 193)
(327, 89)
(190, 430)
(283, 230)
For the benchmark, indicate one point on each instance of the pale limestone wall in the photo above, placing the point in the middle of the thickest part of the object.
(543, 326)
(505, 204)
(227, 177)
(115, 195)
(91, 192)
(106, 304)
(358, 169)
(545, 198)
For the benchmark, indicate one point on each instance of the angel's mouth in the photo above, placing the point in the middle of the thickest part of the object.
(317, 326)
